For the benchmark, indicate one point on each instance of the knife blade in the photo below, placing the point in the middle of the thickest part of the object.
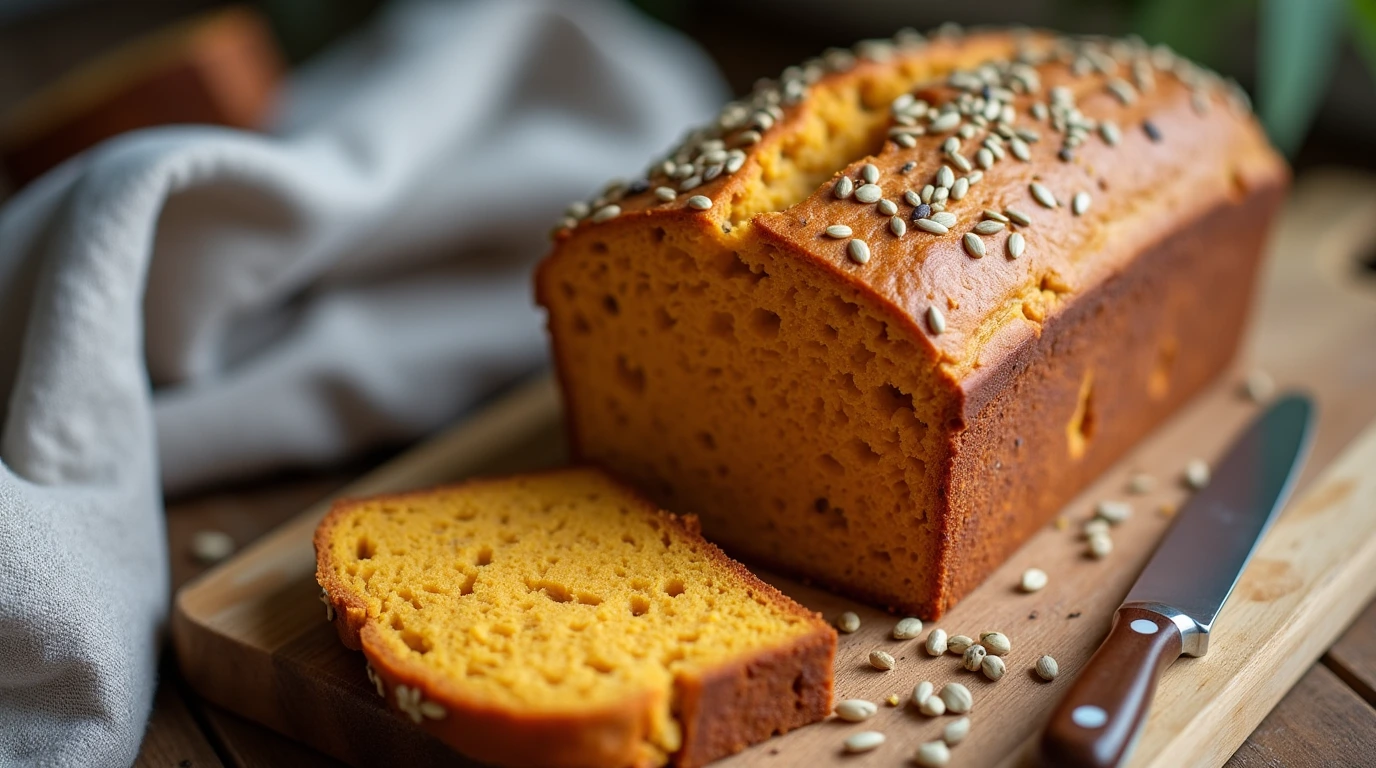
(1171, 609)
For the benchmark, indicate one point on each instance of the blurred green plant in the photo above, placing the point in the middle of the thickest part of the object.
(1298, 42)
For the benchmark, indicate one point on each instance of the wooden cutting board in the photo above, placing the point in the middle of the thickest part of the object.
(252, 637)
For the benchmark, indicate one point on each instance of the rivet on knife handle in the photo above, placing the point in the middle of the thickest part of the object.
(1098, 721)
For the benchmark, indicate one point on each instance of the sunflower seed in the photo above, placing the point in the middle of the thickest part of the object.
(856, 710)
(951, 144)
(988, 227)
(1017, 216)
(975, 177)
(699, 202)
(606, 212)
(960, 161)
(1033, 579)
(869, 173)
(956, 731)
(973, 245)
(882, 660)
(838, 231)
(1042, 194)
(1109, 131)
(927, 192)
(1079, 203)
(1016, 245)
(936, 639)
(932, 754)
(945, 177)
(863, 741)
(1123, 90)
(847, 622)
(911, 198)
(945, 122)
(887, 207)
(907, 629)
(1197, 474)
(984, 158)
(844, 187)
(940, 195)
(868, 193)
(859, 251)
(665, 194)
(1114, 512)
(930, 225)
(1020, 149)
(1047, 668)
(937, 322)
(994, 216)
(959, 189)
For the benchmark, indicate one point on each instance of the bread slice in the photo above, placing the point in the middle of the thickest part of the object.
(560, 620)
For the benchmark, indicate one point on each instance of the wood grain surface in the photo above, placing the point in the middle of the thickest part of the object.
(251, 635)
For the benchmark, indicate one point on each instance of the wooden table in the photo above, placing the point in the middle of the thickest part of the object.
(1327, 718)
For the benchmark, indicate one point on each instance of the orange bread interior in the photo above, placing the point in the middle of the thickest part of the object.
(559, 597)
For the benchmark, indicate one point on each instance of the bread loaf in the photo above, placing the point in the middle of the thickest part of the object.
(558, 620)
(888, 314)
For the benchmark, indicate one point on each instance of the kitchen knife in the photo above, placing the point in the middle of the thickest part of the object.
(1171, 609)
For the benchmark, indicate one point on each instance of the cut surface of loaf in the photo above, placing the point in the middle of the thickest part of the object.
(905, 302)
(558, 619)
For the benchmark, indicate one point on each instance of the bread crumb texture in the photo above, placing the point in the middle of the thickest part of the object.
(556, 596)
(736, 363)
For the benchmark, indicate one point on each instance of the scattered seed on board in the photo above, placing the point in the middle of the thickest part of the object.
(855, 710)
(935, 320)
(838, 231)
(1016, 245)
(844, 188)
(988, 227)
(944, 218)
(993, 667)
(1047, 668)
(973, 245)
(996, 643)
(869, 193)
(1079, 203)
(1033, 579)
(1141, 483)
(897, 226)
(665, 194)
(859, 251)
(1197, 474)
(1113, 511)
(863, 741)
(1100, 545)
(936, 642)
(957, 697)
(699, 202)
(1042, 195)
(881, 660)
(848, 622)
(973, 657)
(932, 706)
(907, 629)
(958, 644)
(869, 173)
(933, 226)
(606, 212)
(1097, 526)
(932, 754)
(1017, 217)
(887, 207)
(1258, 387)
(211, 546)
(922, 691)
(956, 731)
(893, 700)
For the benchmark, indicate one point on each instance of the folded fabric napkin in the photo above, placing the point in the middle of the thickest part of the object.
(187, 305)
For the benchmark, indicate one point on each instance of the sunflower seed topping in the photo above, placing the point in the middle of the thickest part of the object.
(936, 321)
(1017, 216)
(859, 251)
(944, 218)
(868, 193)
(988, 227)
(887, 207)
(1080, 203)
(973, 245)
(838, 231)
(869, 173)
(898, 226)
(699, 202)
(1042, 194)
(1016, 244)
(928, 225)
(995, 216)
(844, 188)
(665, 194)
(606, 212)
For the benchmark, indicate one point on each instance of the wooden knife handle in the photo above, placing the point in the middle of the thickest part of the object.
(1097, 723)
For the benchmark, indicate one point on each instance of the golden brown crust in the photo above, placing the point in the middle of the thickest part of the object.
(612, 737)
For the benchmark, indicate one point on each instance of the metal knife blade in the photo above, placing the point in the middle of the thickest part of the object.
(1215, 533)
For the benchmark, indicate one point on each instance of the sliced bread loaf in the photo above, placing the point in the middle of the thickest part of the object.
(558, 619)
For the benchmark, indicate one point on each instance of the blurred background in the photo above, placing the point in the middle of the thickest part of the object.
(1308, 63)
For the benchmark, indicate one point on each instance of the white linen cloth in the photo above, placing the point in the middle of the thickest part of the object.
(186, 305)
